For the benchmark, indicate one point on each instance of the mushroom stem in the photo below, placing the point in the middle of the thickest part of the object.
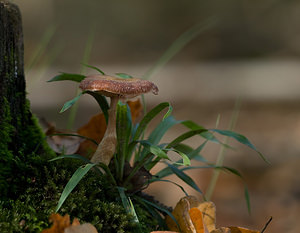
(107, 147)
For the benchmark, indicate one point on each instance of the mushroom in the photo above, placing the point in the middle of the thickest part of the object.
(116, 89)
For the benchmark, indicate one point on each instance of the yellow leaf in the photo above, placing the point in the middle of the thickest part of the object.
(181, 214)
(221, 230)
(208, 210)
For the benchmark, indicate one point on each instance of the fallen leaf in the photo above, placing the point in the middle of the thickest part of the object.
(193, 216)
(208, 210)
(181, 214)
(84, 228)
(96, 127)
(221, 230)
(164, 232)
(197, 220)
(60, 223)
(62, 144)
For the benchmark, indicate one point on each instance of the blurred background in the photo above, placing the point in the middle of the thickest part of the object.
(223, 51)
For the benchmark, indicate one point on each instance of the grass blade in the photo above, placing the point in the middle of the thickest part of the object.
(155, 214)
(148, 117)
(102, 102)
(179, 44)
(94, 67)
(74, 180)
(194, 126)
(86, 56)
(123, 75)
(185, 159)
(187, 179)
(41, 47)
(160, 130)
(169, 181)
(70, 103)
(247, 198)
(72, 156)
(67, 76)
(164, 210)
(127, 204)
(185, 136)
(241, 139)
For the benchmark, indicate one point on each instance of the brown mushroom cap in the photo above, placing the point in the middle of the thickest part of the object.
(112, 86)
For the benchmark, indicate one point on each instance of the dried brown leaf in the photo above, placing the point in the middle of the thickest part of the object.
(60, 223)
(208, 210)
(84, 228)
(221, 230)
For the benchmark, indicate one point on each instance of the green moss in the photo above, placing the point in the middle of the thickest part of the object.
(33, 137)
(18, 166)
(93, 200)
(30, 186)
(6, 155)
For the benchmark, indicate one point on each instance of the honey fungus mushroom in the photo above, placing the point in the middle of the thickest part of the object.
(116, 89)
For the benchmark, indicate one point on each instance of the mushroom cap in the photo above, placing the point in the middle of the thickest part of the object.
(113, 86)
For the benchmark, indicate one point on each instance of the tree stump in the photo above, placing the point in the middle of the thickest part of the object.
(20, 135)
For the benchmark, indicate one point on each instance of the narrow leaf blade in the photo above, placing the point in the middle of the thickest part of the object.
(102, 102)
(72, 156)
(123, 75)
(68, 76)
(70, 103)
(187, 179)
(241, 139)
(147, 118)
(74, 180)
(161, 129)
(185, 136)
(94, 67)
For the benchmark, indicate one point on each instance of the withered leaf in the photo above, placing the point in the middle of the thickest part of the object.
(221, 230)
(193, 216)
(60, 223)
(84, 228)
(197, 220)
(181, 214)
(59, 140)
(208, 210)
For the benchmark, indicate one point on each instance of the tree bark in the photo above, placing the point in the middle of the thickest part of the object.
(21, 138)
(12, 82)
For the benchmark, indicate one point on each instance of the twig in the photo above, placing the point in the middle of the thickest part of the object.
(265, 227)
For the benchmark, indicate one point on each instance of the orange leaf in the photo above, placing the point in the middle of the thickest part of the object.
(59, 223)
(96, 127)
(197, 219)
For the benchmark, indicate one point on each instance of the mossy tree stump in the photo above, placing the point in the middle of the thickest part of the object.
(20, 136)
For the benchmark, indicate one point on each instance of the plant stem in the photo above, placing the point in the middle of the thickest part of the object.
(107, 147)
(220, 159)
(179, 44)
(86, 56)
